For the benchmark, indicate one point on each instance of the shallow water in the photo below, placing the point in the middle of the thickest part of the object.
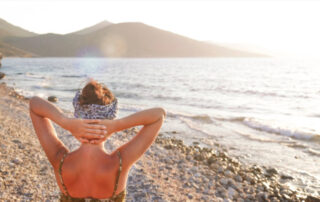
(265, 111)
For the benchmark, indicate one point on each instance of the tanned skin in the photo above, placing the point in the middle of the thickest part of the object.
(90, 171)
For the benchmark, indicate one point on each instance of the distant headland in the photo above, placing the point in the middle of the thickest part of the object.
(106, 39)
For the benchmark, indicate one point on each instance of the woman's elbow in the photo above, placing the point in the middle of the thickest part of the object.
(33, 102)
(162, 112)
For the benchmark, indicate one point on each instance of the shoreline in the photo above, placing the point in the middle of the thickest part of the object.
(168, 171)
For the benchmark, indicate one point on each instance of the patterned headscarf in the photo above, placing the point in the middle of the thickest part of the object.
(94, 111)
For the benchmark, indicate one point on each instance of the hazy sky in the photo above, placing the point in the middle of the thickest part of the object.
(281, 26)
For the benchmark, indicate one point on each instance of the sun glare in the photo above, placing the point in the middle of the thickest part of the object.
(113, 46)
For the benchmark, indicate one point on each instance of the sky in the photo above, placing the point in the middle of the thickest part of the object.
(281, 27)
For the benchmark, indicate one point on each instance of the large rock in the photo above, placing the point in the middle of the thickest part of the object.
(2, 75)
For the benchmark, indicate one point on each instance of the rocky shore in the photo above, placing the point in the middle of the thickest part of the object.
(169, 170)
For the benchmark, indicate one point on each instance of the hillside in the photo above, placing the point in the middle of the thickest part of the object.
(93, 28)
(7, 29)
(122, 40)
(4, 33)
(10, 51)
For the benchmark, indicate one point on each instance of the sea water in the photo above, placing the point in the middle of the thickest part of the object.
(265, 111)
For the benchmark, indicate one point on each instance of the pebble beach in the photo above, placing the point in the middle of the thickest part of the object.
(168, 171)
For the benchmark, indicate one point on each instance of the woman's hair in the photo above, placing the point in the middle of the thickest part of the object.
(95, 93)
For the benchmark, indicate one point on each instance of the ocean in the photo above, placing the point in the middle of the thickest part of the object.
(264, 111)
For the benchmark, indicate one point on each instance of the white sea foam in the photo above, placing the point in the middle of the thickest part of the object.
(194, 126)
(203, 118)
(293, 133)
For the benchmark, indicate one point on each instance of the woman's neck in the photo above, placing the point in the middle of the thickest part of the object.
(91, 148)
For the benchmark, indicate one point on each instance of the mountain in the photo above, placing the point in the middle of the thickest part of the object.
(130, 39)
(7, 29)
(93, 28)
(105, 39)
(246, 47)
(10, 51)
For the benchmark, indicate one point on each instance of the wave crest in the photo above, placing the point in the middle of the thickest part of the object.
(301, 135)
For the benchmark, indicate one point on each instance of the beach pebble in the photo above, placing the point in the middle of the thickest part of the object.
(219, 199)
(227, 200)
(52, 98)
(3, 146)
(272, 171)
(274, 199)
(238, 178)
(16, 141)
(286, 177)
(16, 161)
(220, 169)
(228, 173)
(262, 196)
(266, 185)
(312, 199)
(232, 192)
(197, 175)
(2, 75)
(211, 160)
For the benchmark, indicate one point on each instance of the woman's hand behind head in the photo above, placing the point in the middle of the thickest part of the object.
(85, 129)
(110, 127)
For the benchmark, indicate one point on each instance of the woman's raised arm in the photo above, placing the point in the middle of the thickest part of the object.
(42, 111)
(151, 120)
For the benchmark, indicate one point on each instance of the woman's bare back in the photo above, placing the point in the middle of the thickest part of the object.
(91, 174)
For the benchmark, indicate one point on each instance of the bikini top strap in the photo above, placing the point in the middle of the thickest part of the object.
(119, 172)
(60, 174)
